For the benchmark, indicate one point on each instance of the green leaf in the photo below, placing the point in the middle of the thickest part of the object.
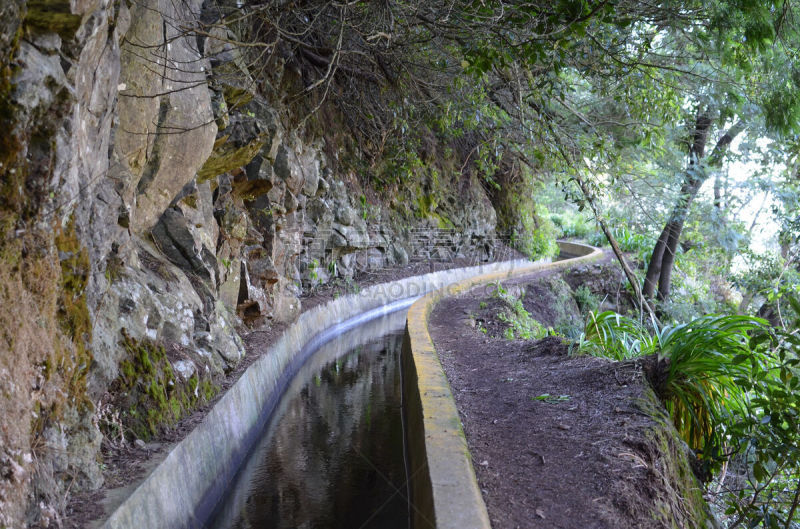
(740, 358)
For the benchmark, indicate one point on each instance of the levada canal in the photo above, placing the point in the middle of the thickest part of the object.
(332, 454)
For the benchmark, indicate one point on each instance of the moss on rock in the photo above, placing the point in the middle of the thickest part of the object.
(526, 223)
(227, 157)
(149, 394)
(72, 362)
(550, 300)
(678, 498)
(51, 16)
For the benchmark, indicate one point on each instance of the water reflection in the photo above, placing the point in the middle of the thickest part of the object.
(332, 455)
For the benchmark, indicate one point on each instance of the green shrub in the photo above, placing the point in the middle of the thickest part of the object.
(695, 370)
(701, 386)
(573, 224)
(612, 335)
(519, 321)
(731, 385)
(586, 300)
(534, 234)
(764, 431)
(629, 241)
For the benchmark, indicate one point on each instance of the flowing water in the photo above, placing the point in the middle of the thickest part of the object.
(332, 455)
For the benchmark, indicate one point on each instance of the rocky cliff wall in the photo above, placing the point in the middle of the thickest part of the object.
(154, 202)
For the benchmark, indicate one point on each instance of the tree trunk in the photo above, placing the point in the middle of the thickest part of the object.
(654, 266)
(662, 261)
(640, 300)
(674, 228)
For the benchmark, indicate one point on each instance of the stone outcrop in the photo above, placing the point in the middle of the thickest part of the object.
(195, 205)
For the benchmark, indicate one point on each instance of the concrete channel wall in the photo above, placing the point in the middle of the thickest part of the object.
(182, 491)
(444, 491)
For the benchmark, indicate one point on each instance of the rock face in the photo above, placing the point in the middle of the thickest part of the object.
(172, 204)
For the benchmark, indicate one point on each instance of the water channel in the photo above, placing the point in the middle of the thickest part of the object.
(332, 454)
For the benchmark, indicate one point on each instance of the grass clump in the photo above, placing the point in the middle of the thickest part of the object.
(614, 336)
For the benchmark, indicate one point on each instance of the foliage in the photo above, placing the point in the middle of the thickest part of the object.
(606, 91)
(765, 433)
(629, 241)
(612, 335)
(519, 321)
(701, 386)
(764, 280)
(696, 376)
(587, 301)
(572, 224)
(731, 386)
(524, 219)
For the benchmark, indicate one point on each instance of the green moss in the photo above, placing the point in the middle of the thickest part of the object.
(144, 361)
(227, 157)
(426, 204)
(208, 390)
(444, 223)
(114, 267)
(425, 195)
(127, 371)
(525, 222)
(681, 504)
(235, 96)
(519, 322)
(148, 389)
(192, 383)
(176, 406)
(73, 361)
(191, 201)
(51, 16)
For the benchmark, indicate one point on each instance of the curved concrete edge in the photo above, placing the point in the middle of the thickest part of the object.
(444, 491)
(183, 490)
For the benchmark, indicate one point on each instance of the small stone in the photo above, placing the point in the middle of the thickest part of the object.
(563, 427)
(185, 368)
(139, 443)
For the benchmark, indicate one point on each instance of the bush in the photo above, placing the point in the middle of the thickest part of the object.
(573, 224)
(586, 300)
(520, 323)
(614, 336)
(732, 387)
(693, 370)
(629, 242)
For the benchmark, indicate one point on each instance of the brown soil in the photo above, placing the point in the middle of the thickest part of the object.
(584, 457)
(126, 463)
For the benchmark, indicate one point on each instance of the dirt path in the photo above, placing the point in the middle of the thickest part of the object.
(582, 458)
